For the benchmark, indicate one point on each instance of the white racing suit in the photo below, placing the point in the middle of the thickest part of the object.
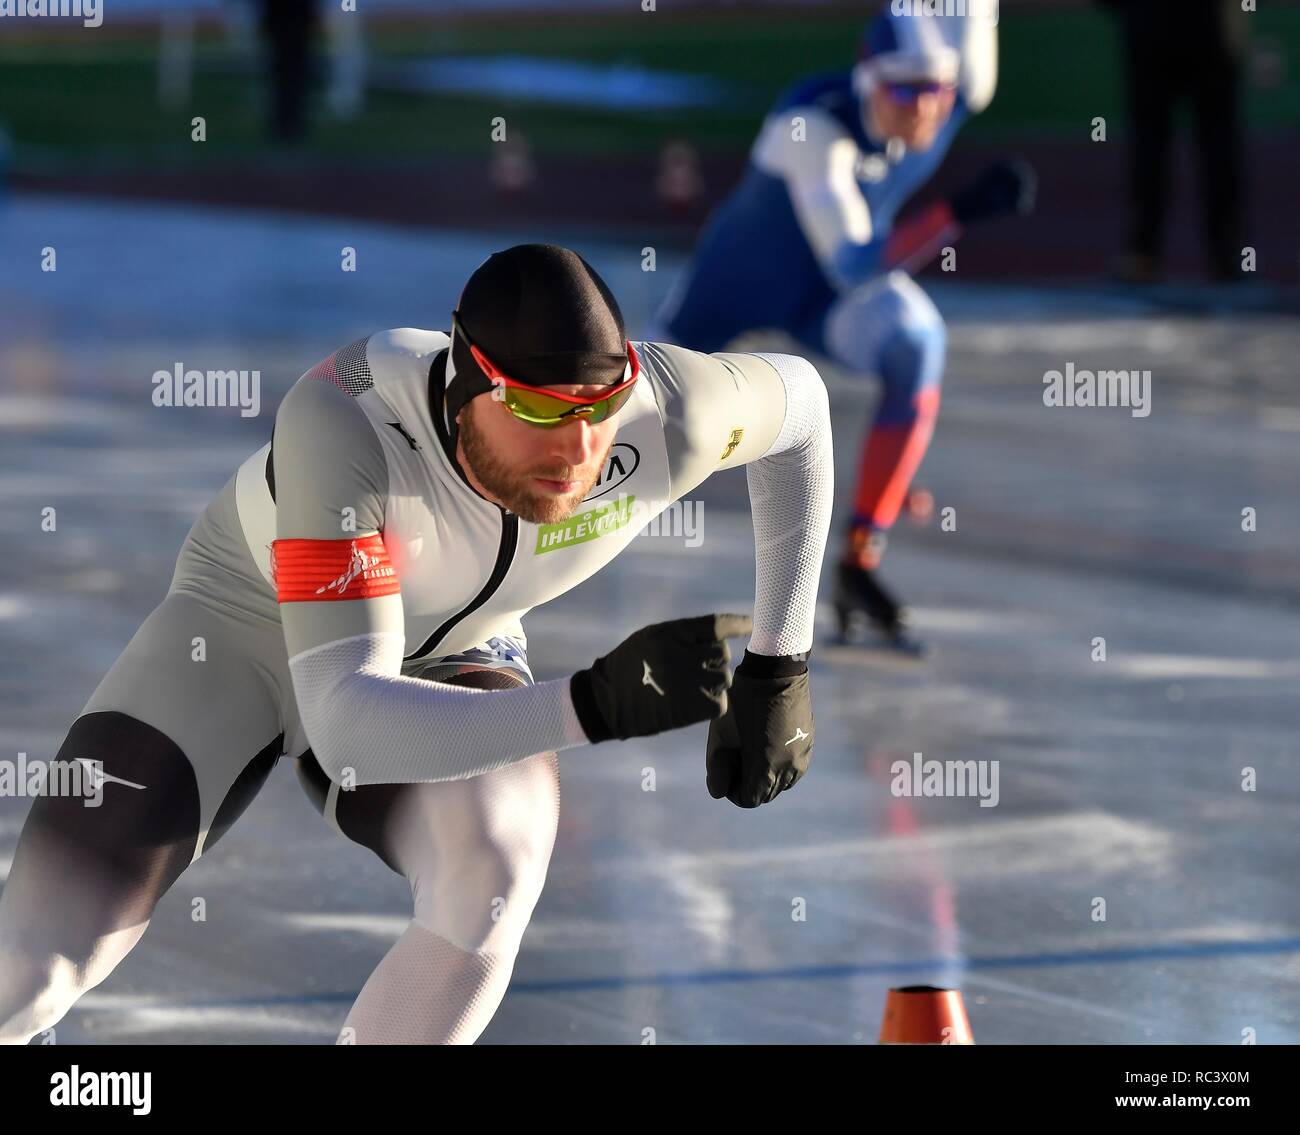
(349, 601)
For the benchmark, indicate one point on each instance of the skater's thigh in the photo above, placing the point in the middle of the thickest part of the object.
(169, 747)
(203, 678)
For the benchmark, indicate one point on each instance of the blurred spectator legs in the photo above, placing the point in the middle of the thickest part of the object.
(1189, 52)
(288, 27)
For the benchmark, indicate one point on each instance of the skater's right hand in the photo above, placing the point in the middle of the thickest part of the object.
(661, 677)
(1005, 187)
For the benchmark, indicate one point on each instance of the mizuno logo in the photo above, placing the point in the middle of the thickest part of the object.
(648, 679)
(402, 430)
(98, 777)
(799, 735)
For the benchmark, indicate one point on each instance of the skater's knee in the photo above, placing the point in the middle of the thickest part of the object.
(35, 992)
(475, 879)
(892, 328)
(481, 902)
(912, 357)
(43, 971)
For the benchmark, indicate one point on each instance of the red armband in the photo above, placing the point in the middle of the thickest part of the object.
(314, 571)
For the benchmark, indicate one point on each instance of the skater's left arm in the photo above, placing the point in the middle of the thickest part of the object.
(771, 414)
(977, 39)
(1003, 188)
(1006, 187)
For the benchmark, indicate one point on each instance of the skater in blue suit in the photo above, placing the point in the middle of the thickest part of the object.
(808, 243)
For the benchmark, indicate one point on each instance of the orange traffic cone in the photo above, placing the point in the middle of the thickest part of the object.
(924, 1014)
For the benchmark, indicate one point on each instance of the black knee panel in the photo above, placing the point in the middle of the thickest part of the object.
(122, 854)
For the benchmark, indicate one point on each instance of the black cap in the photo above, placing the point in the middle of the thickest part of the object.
(542, 314)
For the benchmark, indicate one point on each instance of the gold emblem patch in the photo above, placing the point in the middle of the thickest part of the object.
(734, 441)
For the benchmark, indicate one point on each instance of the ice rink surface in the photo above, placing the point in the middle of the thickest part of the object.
(1119, 780)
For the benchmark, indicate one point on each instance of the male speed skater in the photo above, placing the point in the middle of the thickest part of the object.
(807, 243)
(360, 585)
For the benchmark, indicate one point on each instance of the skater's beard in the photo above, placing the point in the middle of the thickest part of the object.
(512, 485)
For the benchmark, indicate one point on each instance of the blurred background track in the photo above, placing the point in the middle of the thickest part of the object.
(598, 104)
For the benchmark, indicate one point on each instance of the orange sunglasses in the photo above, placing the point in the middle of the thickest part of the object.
(542, 407)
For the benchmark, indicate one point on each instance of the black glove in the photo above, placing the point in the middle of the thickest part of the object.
(1008, 186)
(763, 744)
(662, 677)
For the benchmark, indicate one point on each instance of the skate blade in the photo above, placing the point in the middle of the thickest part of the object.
(858, 636)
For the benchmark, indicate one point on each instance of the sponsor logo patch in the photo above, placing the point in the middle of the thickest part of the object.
(589, 525)
(620, 464)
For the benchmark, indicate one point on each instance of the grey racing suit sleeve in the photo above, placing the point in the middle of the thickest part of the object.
(770, 413)
(367, 723)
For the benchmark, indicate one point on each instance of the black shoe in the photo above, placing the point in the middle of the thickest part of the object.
(859, 597)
